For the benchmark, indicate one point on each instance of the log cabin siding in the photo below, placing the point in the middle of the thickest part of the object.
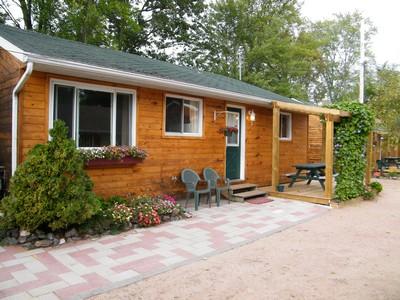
(168, 155)
(315, 139)
(9, 74)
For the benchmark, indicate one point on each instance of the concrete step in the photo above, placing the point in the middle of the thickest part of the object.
(237, 188)
(250, 194)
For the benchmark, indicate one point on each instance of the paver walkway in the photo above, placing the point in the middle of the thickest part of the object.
(88, 267)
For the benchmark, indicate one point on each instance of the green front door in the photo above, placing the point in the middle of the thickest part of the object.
(233, 145)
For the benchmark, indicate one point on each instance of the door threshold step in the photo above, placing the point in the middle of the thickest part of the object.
(243, 186)
(250, 194)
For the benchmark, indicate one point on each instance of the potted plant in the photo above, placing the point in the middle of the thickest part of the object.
(280, 187)
(228, 131)
(112, 156)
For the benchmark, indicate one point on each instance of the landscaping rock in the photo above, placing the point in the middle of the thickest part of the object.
(32, 238)
(41, 235)
(56, 242)
(43, 243)
(61, 241)
(187, 215)
(71, 233)
(22, 239)
(24, 233)
(10, 241)
(76, 238)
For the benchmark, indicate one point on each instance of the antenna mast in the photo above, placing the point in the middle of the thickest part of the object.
(362, 60)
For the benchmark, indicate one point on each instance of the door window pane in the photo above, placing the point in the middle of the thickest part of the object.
(173, 115)
(64, 106)
(191, 116)
(94, 118)
(232, 120)
(123, 122)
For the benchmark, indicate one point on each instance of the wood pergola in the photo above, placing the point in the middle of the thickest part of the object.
(331, 116)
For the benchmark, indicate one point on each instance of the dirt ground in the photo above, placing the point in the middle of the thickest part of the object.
(348, 253)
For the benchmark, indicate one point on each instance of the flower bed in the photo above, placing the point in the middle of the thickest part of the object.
(116, 214)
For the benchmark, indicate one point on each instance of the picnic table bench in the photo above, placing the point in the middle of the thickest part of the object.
(313, 171)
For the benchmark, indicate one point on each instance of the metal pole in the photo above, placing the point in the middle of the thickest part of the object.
(240, 58)
(362, 60)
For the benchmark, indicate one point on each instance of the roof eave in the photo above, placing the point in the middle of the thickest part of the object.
(13, 50)
(62, 67)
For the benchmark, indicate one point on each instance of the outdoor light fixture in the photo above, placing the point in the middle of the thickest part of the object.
(252, 115)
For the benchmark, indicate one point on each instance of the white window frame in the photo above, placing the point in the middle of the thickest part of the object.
(183, 134)
(239, 129)
(94, 87)
(289, 138)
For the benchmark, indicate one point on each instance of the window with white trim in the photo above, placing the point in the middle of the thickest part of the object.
(183, 116)
(95, 117)
(285, 130)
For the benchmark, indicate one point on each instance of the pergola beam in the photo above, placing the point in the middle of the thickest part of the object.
(309, 109)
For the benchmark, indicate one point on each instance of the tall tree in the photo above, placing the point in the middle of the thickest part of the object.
(278, 54)
(339, 44)
(38, 15)
(148, 27)
(386, 100)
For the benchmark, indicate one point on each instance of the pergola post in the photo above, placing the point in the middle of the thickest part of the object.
(369, 158)
(323, 142)
(275, 145)
(329, 156)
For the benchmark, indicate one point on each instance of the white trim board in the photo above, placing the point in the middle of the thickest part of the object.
(242, 140)
(13, 50)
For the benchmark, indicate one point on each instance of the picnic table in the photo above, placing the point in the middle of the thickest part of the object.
(315, 171)
(391, 161)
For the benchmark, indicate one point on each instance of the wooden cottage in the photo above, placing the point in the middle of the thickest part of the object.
(175, 113)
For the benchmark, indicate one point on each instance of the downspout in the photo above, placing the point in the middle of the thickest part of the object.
(14, 134)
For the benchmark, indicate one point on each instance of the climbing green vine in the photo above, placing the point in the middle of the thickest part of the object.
(350, 141)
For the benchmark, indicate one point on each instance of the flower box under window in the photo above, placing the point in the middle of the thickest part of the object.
(112, 157)
(102, 163)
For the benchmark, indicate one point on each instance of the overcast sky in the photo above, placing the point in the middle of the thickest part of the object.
(383, 13)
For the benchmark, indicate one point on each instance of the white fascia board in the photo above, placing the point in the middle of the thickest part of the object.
(13, 50)
(64, 67)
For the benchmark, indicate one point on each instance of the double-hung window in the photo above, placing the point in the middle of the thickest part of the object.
(183, 116)
(96, 116)
(285, 130)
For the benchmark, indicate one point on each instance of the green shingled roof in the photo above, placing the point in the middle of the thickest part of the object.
(57, 48)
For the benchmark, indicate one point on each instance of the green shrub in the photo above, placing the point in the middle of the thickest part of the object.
(376, 186)
(368, 195)
(50, 189)
(350, 142)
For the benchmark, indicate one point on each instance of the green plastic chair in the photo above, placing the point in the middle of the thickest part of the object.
(191, 179)
(212, 176)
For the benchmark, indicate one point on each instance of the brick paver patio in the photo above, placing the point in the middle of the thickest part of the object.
(84, 268)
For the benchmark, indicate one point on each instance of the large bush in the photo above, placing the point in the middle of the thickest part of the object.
(50, 189)
(351, 136)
